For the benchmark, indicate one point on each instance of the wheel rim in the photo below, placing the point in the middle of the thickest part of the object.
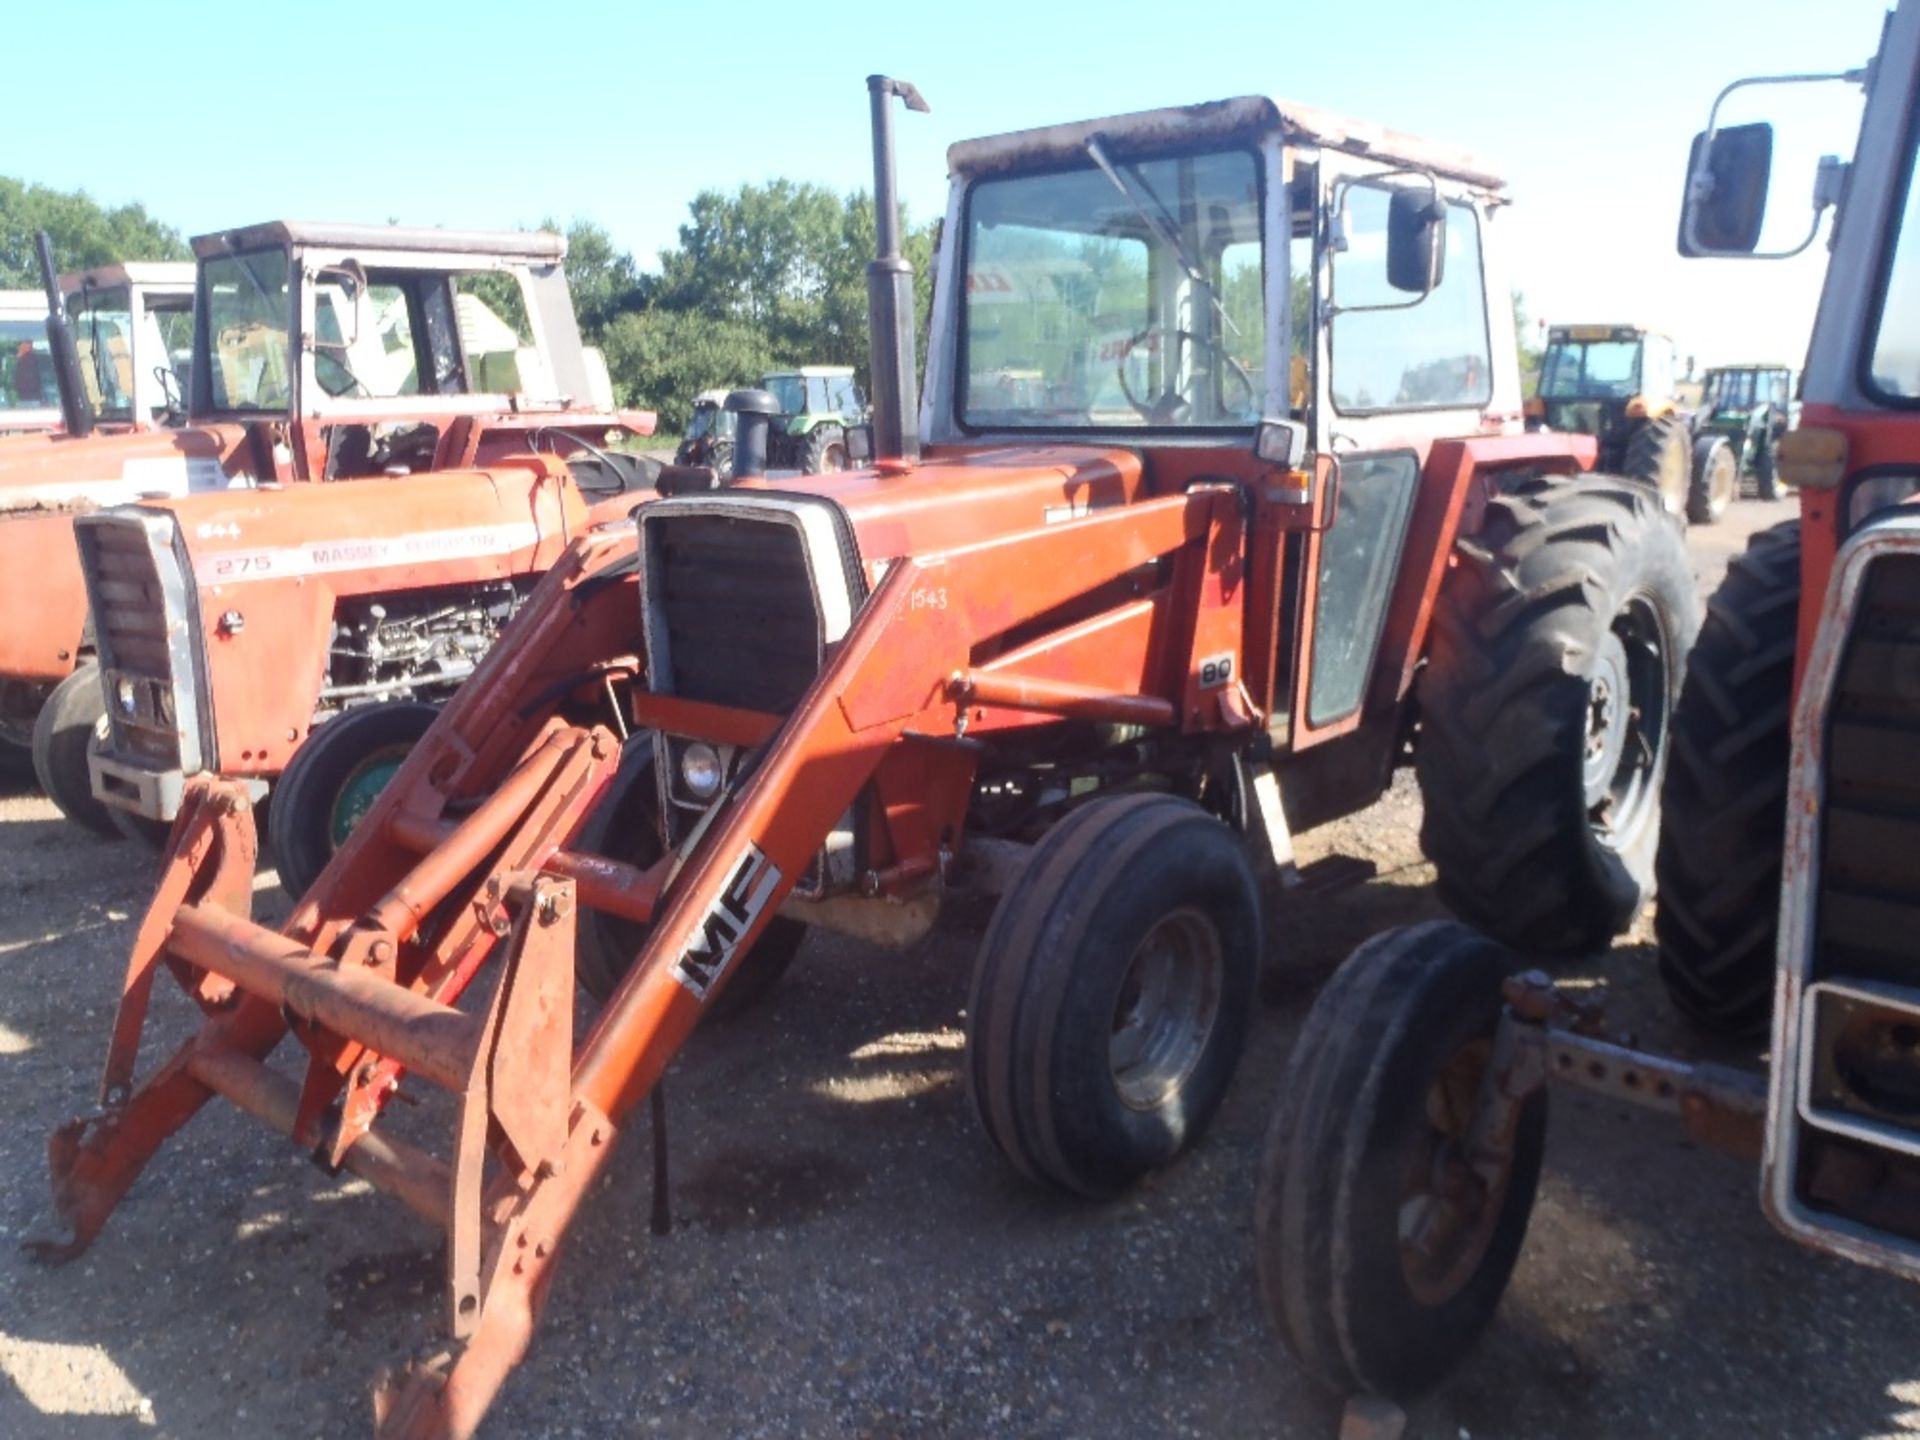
(1722, 480)
(1626, 731)
(360, 789)
(834, 459)
(1165, 1012)
(1448, 1209)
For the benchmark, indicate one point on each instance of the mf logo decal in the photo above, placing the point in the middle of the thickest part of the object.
(323, 557)
(1216, 670)
(712, 948)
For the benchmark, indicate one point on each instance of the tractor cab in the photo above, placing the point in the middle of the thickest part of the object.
(132, 325)
(29, 389)
(709, 437)
(1744, 412)
(374, 345)
(1618, 383)
(817, 404)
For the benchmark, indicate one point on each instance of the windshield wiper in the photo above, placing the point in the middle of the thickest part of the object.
(1160, 221)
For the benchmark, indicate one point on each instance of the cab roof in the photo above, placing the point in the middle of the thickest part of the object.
(541, 246)
(160, 276)
(1247, 116)
(812, 372)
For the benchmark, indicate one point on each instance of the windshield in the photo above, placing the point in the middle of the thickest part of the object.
(1730, 389)
(102, 321)
(1128, 296)
(789, 392)
(26, 371)
(1591, 370)
(246, 299)
(1894, 370)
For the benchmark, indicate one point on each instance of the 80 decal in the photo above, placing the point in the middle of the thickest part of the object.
(1216, 670)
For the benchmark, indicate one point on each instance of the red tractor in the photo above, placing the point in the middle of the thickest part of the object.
(318, 353)
(1103, 643)
(1401, 1166)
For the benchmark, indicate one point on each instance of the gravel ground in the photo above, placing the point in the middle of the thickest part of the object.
(850, 1257)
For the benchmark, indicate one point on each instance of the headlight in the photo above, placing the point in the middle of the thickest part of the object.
(124, 696)
(1876, 493)
(701, 771)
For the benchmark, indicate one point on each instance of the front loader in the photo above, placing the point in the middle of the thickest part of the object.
(1400, 1170)
(1100, 644)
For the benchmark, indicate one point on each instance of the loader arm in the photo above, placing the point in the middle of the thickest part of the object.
(462, 860)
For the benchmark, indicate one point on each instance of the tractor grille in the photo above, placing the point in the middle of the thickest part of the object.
(733, 620)
(1869, 883)
(144, 632)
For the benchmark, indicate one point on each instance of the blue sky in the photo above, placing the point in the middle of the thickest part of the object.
(480, 114)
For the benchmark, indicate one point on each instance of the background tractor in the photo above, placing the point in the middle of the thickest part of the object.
(1406, 1144)
(1744, 412)
(709, 437)
(1617, 383)
(318, 352)
(1099, 646)
(817, 403)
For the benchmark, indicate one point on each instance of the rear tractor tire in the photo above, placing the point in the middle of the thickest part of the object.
(1725, 796)
(1382, 1248)
(623, 827)
(824, 451)
(1559, 641)
(71, 722)
(1659, 455)
(1110, 998)
(333, 780)
(1716, 480)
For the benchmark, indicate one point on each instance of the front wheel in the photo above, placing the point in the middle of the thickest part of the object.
(1716, 480)
(1559, 641)
(72, 721)
(824, 451)
(1109, 1002)
(333, 780)
(1384, 1240)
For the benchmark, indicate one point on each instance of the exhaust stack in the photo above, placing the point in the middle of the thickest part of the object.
(75, 413)
(896, 404)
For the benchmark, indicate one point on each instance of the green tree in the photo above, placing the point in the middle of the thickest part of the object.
(604, 280)
(84, 232)
(662, 358)
(1523, 336)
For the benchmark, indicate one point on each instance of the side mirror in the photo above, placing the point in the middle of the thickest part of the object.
(1416, 240)
(1282, 443)
(1726, 196)
(339, 289)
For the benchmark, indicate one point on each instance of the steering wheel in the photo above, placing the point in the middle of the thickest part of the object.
(169, 382)
(1172, 408)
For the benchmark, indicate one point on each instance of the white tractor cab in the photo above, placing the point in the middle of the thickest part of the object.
(132, 325)
(29, 390)
(336, 324)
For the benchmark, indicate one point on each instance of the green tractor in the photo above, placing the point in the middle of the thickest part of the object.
(709, 437)
(818, 403)
(1744, 410)
(1616, 383)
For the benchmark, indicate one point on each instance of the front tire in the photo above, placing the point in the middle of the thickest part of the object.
(1766, 470)
(71, 721)
(333, 780)
(1716, 480)
(1659, 456)
(1382, 1251)
(1110, 999)
(1558, 645)
(1725, 796)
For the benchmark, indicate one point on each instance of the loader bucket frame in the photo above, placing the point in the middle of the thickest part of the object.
(461, 868)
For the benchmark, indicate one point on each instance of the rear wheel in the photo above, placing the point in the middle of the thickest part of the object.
(74, 717)
(624, 827)
(333, 780)
(1384, 1242)
(1658, 455)
(1716, 480)
(824, 451)
(1109, 1002)
(1726, 793)
(1558, 644)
